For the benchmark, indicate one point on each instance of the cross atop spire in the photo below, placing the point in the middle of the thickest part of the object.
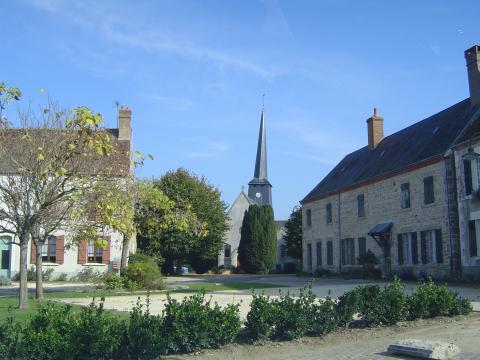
(261, 162)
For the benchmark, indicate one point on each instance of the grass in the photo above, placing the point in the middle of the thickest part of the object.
(8, 304)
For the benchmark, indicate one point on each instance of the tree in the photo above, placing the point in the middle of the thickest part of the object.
(196, 193)
(52, 163)
(164, 229)
(293, 234)
(258, 241)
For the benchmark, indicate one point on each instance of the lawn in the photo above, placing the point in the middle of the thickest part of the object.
(8, 304)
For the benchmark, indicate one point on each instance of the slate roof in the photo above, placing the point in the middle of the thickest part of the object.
(421, 142)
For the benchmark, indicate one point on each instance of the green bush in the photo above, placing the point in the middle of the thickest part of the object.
(88, 274)
(347, 306)
(9, 338)
(194, 324)
(4, 281)
(261, 318)
(140, 257)
(145, 274)
(62, 277)
(324, 319)
(113, 281)
(295, 314)
(47, 274)
(430, 300)
(145, 334)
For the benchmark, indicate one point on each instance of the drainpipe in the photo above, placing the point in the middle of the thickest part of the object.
(339, 235)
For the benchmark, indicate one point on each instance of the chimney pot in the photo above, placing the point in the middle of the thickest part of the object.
(472, 57)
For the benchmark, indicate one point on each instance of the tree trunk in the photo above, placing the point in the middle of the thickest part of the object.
(23, 290)
(125, 252)
(39, 271)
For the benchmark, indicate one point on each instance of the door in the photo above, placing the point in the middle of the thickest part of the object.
(5, 255)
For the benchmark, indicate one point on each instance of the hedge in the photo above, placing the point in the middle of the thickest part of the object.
(58, 332)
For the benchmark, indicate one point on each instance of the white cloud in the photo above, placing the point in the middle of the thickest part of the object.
(106, 20)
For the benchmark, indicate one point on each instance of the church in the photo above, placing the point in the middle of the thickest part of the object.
(259, 193)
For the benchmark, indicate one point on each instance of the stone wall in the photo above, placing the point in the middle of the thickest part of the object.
(382, 204)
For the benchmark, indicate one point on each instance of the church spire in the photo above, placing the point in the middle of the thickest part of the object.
(259, 188)
(261, 162)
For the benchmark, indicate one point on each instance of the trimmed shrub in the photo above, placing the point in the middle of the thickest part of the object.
(295, 314)
(430, 300)
(145, 274)
(145, 334)
(261, 318)
(193, 324)
(324, 319)
(347, 306)
(9, 338)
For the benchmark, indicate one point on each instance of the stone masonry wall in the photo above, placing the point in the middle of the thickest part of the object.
(382, 204)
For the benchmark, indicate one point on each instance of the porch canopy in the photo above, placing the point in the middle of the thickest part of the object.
(381, 232)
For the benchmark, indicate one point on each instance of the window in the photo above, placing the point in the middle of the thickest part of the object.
(228, 250)
(472, 236)
(329, 253)
(319, 253)
(329, 213)
(407, 249)
(348, 251)
(361, 205)
(283, 251)
(49, 250)
(467, 170)
(405, 189)
(309, 217)
(431, 246)
(362, 246)
(94, 252)
(428, 193)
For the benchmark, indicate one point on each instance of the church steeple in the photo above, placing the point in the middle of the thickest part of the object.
(261, 163)
(259, 188)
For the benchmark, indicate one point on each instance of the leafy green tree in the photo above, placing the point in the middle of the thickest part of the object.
(258, 241)
(52, 157)
(293, 234)
(165, 230)
(204, 200)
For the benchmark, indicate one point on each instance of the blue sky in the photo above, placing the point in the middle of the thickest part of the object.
(193, 73)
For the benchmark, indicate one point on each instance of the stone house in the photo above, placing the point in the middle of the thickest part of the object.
(410, 197)
(71, 260)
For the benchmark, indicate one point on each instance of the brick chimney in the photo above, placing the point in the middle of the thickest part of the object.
(124, 123)
(472, 56)
(375, 130)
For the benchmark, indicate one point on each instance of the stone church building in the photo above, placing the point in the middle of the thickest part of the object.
(412, 198)
(259, 193)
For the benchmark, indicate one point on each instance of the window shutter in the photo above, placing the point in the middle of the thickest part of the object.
(329, 253)
(439, 246)
(33, 253)
(319, 253)
(106, 252)
(82, 252)
(400, 249)
(414, 248)
(60, 249)
(472, 229)
(342, 250)
(467, 169)
(351, 244)
(423, 247)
